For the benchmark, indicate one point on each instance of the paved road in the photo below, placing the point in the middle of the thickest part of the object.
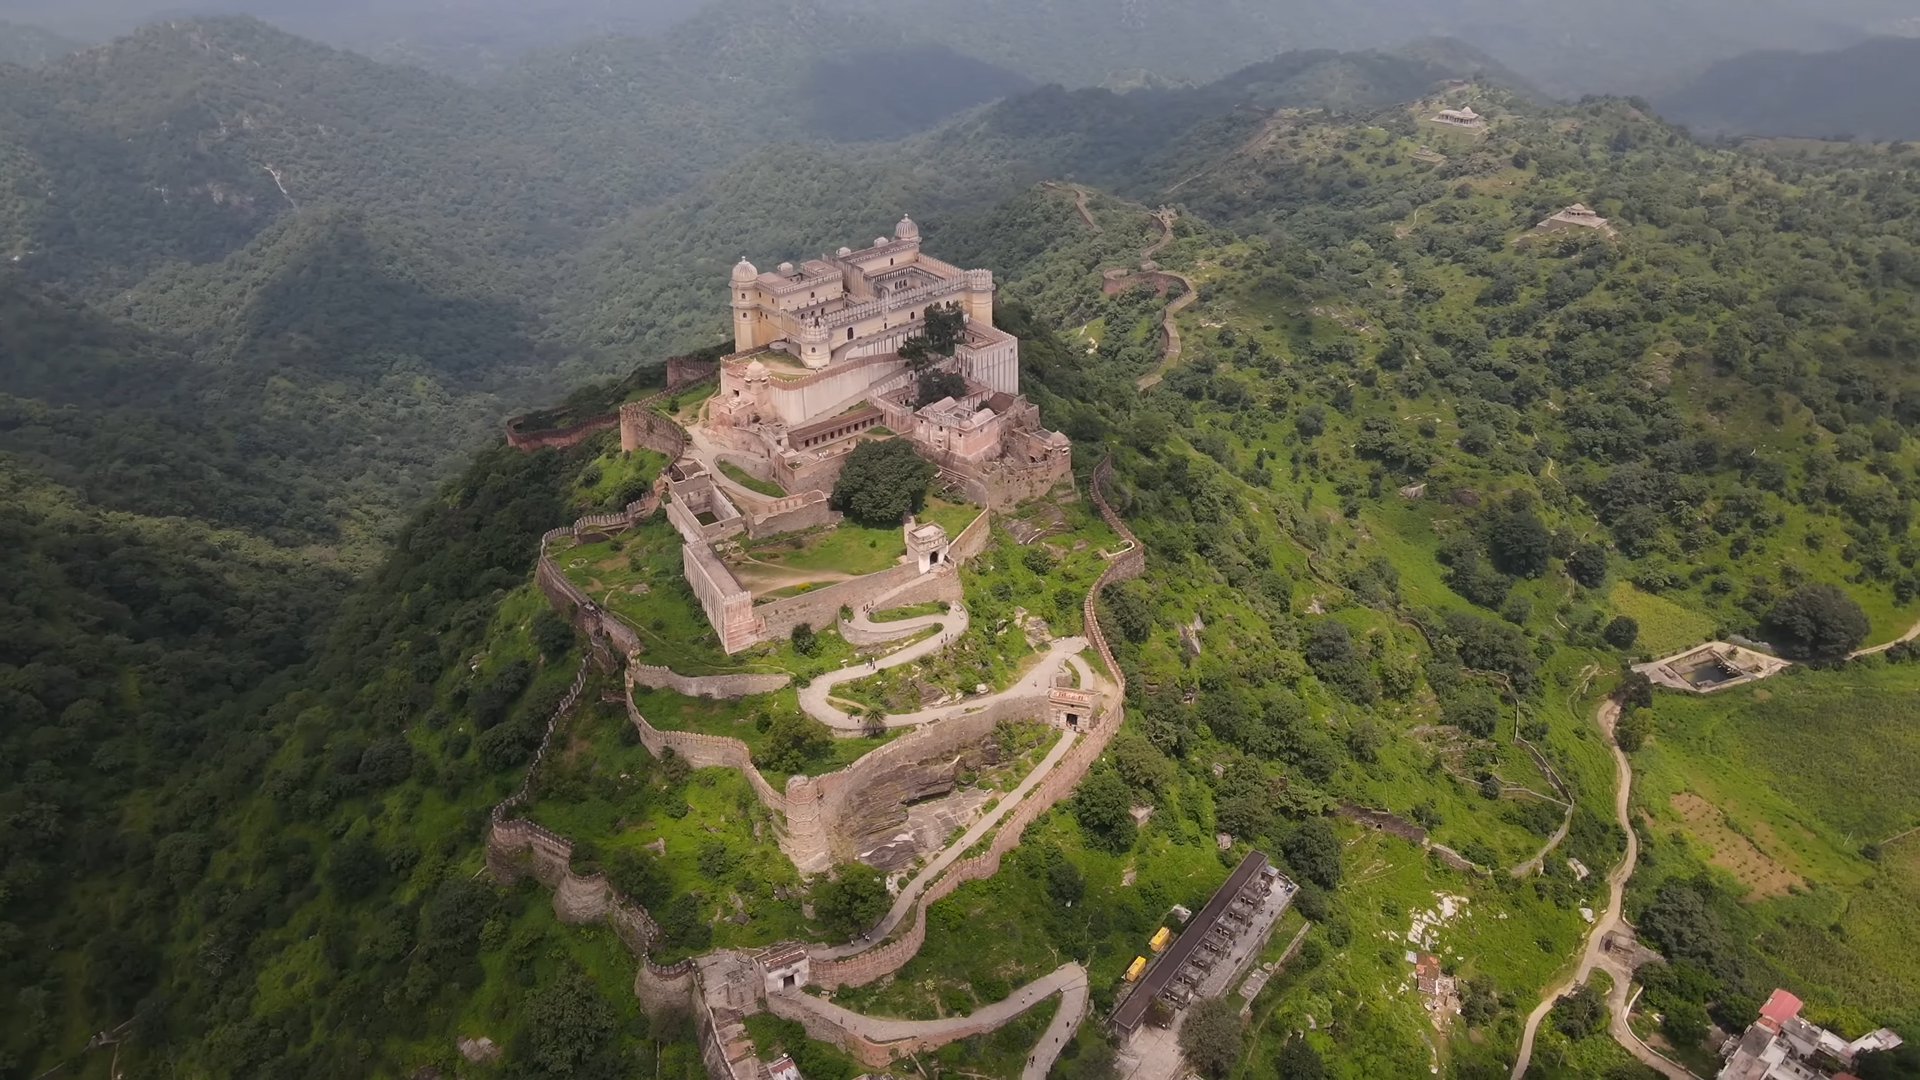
(911, 892)
(1073, 1008)
(988, 1017)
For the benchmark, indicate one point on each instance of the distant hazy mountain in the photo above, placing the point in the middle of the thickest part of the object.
(1868, 91)
(31, 45)
(1562, 46)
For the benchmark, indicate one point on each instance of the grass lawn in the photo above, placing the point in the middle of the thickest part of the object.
(1778, 788)
(1665, 627)
(901, 614)
(747, 480)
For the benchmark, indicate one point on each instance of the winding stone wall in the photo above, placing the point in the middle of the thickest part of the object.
(708, 686)
(557, 438)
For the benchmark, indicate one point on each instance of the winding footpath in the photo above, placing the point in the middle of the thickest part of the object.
(882, 1029)
(815, 696)
(1596, 954)
(1073, 1009)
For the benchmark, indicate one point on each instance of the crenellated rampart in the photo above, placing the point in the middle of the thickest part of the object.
(682, 371)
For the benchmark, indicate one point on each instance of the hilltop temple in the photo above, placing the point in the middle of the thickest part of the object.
(817, 366)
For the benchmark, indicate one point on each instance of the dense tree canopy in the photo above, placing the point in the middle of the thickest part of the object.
(1819, 621)
(882, 482)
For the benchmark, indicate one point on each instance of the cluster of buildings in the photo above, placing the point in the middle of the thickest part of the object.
(1216, 945)
(815, 372)
(817, 367)
(1783, 1045)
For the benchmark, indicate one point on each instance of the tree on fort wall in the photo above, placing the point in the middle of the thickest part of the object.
(946, 324)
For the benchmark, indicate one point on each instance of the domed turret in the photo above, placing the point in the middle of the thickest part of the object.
(906, 230)
(744, 273)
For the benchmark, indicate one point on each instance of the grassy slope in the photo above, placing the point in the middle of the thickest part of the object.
(1808, 768)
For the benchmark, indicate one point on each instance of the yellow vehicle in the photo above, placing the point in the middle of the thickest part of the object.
(1160, 939)
(1133, 970)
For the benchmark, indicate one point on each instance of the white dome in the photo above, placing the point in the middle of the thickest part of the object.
(845, 251)
(906, 230)
(756, 370)
(743, 272)
(880, 241)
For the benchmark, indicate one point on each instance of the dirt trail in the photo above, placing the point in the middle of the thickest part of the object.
(1912, 633)
(1596, 954)
(1169, 325)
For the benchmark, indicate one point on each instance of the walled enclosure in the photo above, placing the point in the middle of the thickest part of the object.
(516, 843)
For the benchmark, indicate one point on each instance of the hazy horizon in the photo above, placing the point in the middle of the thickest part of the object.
(1629, 46)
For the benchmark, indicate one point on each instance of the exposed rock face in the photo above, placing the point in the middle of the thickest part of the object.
(479, 1050)
(877, 810)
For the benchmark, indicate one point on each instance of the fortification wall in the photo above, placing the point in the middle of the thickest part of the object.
(728, 606)
(816, 470)
(795, 513)
(820, 608)
(664, 989)
(641, 427)
(798, 827)
(1000, 483)
(559, 438)
(864, 1050)
(707, 686)
(685, 371)
(754, 465)
(516, 845)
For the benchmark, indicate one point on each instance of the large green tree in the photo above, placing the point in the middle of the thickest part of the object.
(1819, 621)
(882, 482)
(1212, 1035)
(851, 901)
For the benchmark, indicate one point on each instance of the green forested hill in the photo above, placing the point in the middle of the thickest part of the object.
(30, 45)
(1866, 91)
